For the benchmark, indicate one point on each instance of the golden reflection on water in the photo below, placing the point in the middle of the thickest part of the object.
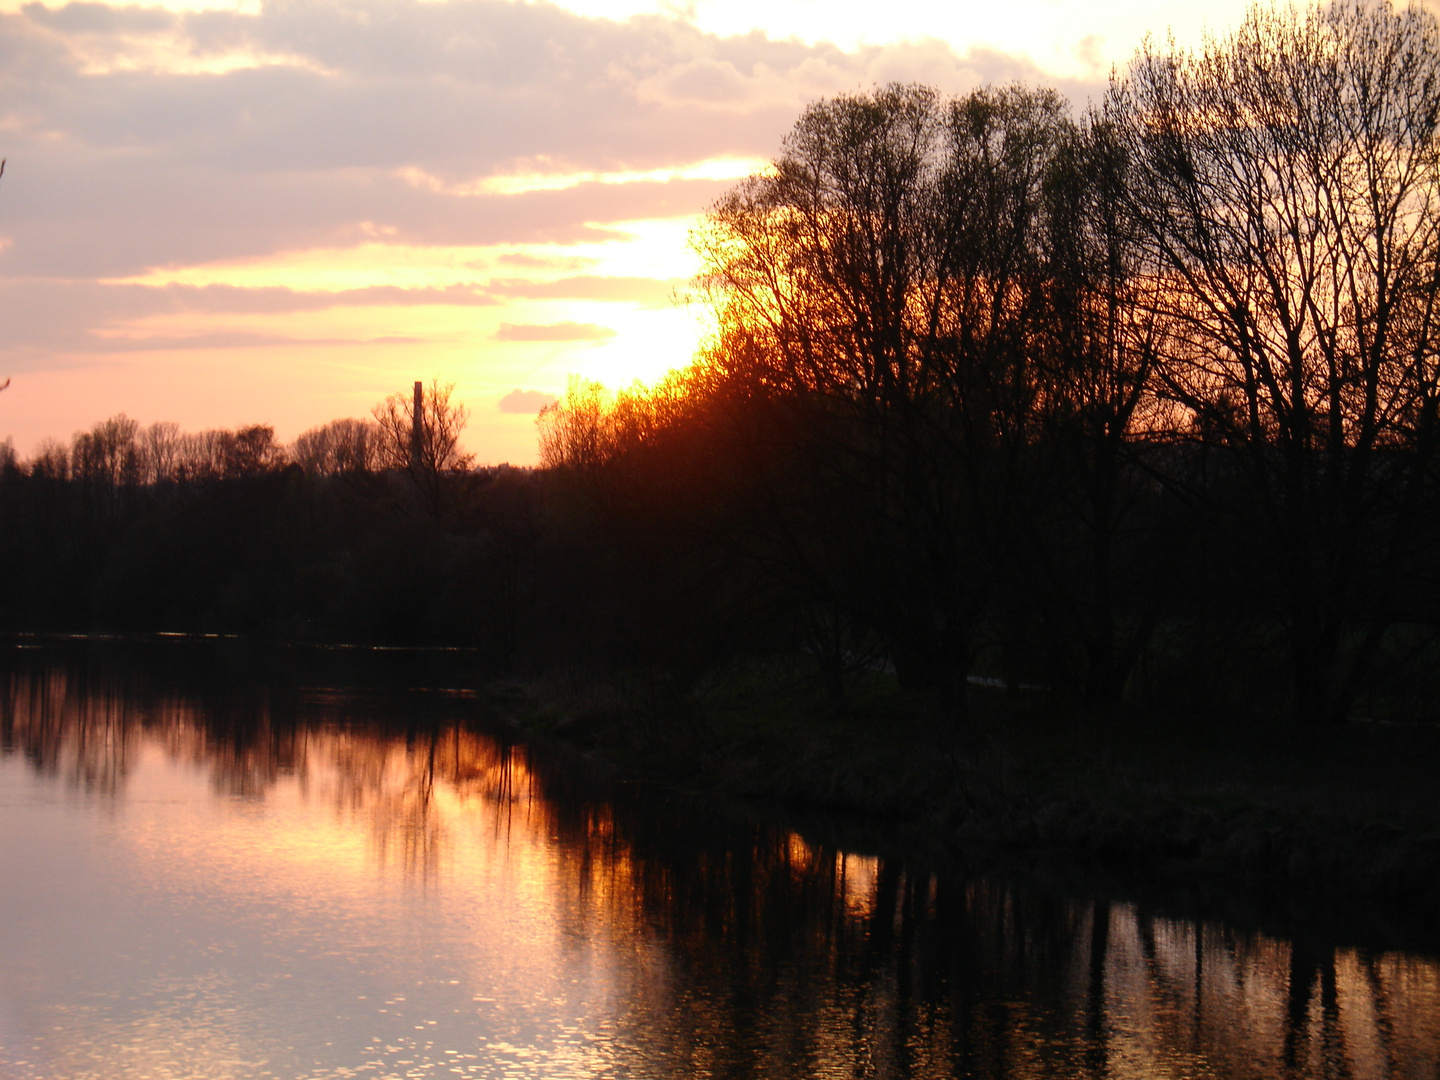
(419, 897)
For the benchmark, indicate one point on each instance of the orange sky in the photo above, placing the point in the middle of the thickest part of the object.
(222, 214)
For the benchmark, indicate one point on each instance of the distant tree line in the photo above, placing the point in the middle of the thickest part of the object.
(337, 535)
(121, 453)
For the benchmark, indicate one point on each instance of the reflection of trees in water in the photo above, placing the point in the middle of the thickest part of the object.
(376, 758)
(753, 953)
(87, 729)
(742, 950)
(66, 730)
(771, 970)
(84, 720)
(398, 784)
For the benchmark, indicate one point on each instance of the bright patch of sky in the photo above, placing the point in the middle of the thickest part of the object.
(1063, 37)
(657, 249)
(544, 176)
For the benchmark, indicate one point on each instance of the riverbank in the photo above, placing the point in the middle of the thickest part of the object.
(1331, 823)
(1336, 833)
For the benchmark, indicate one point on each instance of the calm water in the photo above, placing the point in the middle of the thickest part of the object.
(213, 865)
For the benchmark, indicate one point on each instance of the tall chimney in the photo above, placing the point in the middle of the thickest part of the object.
(417, 428)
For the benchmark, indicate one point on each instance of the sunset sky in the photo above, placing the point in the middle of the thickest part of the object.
(281, 212)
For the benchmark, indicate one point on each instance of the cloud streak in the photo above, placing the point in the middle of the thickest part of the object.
(564, 331)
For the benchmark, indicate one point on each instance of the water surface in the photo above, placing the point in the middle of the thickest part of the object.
(214, 865)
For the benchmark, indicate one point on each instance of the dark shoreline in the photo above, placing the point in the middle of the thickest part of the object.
(1285, 840)
(1334, 836)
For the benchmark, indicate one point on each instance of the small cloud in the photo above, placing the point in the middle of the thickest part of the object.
(1090, 51)
(562, 331)
(684, 10)
(703, 80)
(374, 231)
(122, 343)
(544, 262)
(653, 292)
(394, 340)
(526, 401)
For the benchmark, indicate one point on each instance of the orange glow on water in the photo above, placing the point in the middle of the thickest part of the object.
(439, 907)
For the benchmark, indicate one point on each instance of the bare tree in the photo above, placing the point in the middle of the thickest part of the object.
(578, 431)
(341, 446)
(160, 451)
(198, 455)
(440, 437)
(222, 454)
(882, 282)
(51, 461)
(1079, 555)
(249, 451)
(1288, 177)
(108, 453)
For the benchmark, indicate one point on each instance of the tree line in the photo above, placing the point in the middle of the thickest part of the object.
(1140, 403)
(341, 534)
(996, 388)
(120, 453)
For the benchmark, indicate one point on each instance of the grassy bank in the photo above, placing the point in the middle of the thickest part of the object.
(1340, 819)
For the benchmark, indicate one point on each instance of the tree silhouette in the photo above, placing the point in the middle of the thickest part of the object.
(1289, 185)
(883, 282)
(440, 437)
(341, 446)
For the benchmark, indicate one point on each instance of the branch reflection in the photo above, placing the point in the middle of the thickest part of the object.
(740, 949)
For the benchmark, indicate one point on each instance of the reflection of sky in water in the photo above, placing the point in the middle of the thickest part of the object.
(180, 934)
(185, 897)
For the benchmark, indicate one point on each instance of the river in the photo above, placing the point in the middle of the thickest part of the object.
(223, 861)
